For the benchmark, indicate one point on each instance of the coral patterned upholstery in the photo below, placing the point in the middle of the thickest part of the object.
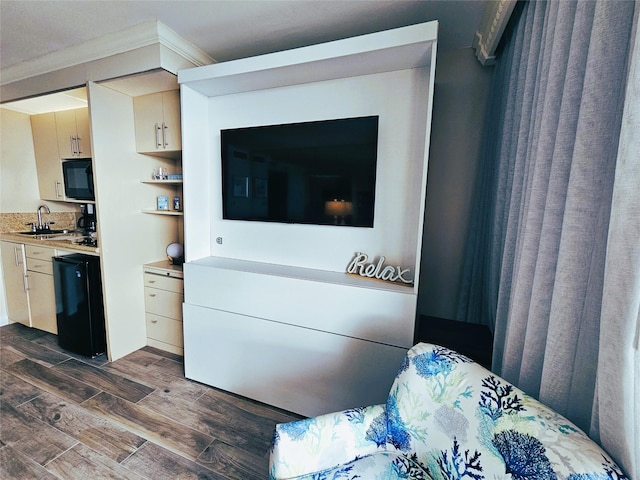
(446, 418)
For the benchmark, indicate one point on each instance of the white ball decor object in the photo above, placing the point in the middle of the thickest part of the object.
(175, 252)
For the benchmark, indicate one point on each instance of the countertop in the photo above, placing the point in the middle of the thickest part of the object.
(164, 267)
(61, 244)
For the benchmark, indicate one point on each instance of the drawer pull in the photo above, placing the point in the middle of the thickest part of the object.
(152, 295)
(154, 321)
(152, 281)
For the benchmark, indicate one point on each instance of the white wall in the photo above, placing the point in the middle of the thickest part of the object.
(460, 95)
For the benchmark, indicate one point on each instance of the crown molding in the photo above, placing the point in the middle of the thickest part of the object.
(142, 35)
(174, 42)
(494, 20)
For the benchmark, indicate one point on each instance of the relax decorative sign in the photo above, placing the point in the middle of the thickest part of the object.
(379, 271)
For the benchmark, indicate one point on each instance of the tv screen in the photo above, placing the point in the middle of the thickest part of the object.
(321, 172)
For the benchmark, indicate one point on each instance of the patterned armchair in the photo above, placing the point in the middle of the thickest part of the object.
(446, 418)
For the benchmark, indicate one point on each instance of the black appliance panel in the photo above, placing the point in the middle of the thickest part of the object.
(79, 304)
(78, 179)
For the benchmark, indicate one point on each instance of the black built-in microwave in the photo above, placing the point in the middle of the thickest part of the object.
(78, 179)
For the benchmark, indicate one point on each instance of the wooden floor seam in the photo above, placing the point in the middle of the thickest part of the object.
(64, 416)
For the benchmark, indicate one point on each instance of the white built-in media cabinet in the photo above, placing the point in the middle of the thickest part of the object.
(269, 311)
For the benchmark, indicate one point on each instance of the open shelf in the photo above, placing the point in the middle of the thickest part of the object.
(164, 212)
(165, 182)
(300, 273)
(398, 49)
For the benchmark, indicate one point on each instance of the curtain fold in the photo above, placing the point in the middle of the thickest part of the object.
(545, 254)
(616, 411)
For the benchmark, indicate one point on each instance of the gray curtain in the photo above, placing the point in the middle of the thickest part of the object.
(553, 262)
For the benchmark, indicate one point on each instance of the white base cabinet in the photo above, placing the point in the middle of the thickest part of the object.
(43, 305)
(14, 269)
(163, 295)
(42, 296)
(298, 369)
(29, 284)
(292, 338)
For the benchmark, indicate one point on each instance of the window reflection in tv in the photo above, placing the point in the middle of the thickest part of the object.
(321, 172)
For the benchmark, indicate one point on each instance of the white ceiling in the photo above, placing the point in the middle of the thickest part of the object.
(226, 30)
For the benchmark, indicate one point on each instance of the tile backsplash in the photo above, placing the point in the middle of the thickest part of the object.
(17, 222)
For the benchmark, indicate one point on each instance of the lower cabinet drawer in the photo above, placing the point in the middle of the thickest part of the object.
(35, 251)
(38, 265)
(166, 330)
(162, 302)
(164, 283)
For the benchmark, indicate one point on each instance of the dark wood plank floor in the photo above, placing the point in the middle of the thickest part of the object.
(64, 416)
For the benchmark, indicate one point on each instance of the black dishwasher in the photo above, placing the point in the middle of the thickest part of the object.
(79, 305)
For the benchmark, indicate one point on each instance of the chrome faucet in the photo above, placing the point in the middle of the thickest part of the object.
(42, 226)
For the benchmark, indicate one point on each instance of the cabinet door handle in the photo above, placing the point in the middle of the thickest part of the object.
(78, 151)
(15, 254)
(58, 185)
(164, 135)
(158, 143)
(25, 282)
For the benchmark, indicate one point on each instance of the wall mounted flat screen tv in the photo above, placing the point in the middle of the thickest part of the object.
(321, 172)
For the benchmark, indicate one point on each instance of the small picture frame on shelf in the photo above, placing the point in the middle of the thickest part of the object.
(163, 202)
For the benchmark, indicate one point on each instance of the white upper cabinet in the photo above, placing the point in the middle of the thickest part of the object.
(157, 121)
(74, 138)
(48, 165)
(57, 136)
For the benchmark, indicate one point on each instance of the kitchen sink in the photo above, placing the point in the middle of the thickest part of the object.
(46, 232)
(55, 235)
(75, 237)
